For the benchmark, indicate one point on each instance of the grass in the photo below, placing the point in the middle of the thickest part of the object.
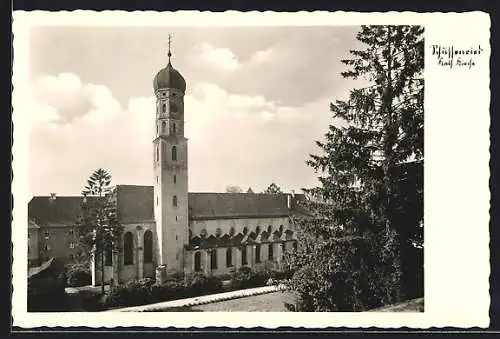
(274, 302)
(269, 302)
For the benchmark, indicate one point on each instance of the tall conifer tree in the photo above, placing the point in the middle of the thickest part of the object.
(369, 204)
(99, 228)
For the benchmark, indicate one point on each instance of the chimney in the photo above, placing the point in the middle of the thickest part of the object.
(52, 196)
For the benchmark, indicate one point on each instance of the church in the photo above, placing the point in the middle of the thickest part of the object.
(166, 228)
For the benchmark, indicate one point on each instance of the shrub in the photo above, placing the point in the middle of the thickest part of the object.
(145, 291)
(90, 300)
(175, 276)
(199, 284)
(225, 277)
(171, 290)
(46, 294)
(78, 275)
(246, 278)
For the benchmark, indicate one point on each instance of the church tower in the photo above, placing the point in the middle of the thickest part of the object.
(170, 169)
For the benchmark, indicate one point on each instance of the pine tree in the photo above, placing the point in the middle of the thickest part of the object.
(273, 189)
(99, 228)
(370, 174)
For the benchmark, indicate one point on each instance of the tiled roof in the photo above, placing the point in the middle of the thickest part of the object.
(240, 205)
(135, 204)
(59, 212)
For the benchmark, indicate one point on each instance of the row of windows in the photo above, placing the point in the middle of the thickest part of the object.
(173, 108)
(174, 153)
(174, 201)
(128, 249)
(232, 231)
(173, 129)
(229, 256)
(165, 94)
(174, 179)
(46, 233)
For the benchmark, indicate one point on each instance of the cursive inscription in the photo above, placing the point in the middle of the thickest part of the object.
(450, 56)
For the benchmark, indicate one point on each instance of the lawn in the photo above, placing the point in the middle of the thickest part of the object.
(274, 302)
(269, 302)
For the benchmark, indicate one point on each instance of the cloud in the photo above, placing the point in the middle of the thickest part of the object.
(233, 138)
(206, 55)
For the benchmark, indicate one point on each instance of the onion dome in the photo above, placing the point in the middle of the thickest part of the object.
(169, 77)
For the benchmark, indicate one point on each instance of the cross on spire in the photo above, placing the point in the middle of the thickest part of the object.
(169, 43)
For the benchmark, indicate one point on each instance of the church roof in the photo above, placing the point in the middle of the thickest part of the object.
(135, 204)
(236, 205)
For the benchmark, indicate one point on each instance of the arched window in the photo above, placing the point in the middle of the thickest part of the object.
(164, 108)
(174, 129)
(174, 200)
(269, 228)
(148, 247)
(108, 256)
(245, 230)
(174, 153)
(157, 153)
(257, 253)
(231, 231)
(163, 126)
(244, 260)
(270, 252)
(229, 257)
(128, 249)
(197, 261)
(213, 259)
(175, 179)
(203, 233)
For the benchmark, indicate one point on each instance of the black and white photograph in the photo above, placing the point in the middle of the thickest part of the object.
(204, 168)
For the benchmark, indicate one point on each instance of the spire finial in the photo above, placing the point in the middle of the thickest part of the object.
(169, 43)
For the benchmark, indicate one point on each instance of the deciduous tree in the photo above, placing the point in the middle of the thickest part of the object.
(233, 189)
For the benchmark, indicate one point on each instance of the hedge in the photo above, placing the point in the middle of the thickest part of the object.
(145, 291)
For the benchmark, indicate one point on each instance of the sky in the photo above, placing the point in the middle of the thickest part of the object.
(257, 98)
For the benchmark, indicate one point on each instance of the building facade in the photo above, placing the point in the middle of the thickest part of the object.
(167, 229)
